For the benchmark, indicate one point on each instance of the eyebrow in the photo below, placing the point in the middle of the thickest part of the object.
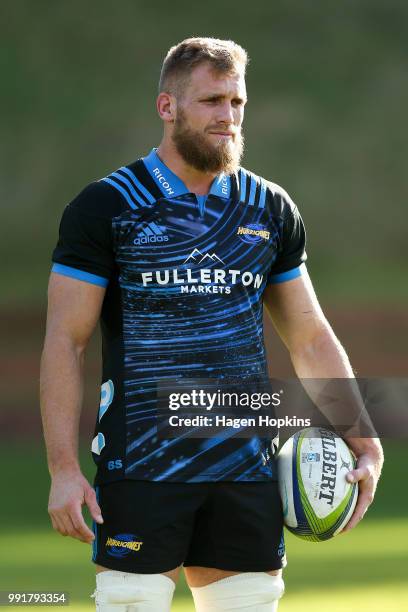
(221, 97)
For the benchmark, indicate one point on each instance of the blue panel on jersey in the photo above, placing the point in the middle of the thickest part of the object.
(252, 191)
(242, 188)
(121, 190)
(221, 186)
(129, 185)
(168, 182)
(285, 276)
(80, 275)
(171, 185)
(139, 185)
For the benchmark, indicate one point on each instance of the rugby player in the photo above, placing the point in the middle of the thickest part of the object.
(176, 253)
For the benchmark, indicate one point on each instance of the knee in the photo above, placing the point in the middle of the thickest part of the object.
(245, 592)
(121, 591)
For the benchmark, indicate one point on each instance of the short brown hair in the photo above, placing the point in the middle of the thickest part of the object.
(225, 56)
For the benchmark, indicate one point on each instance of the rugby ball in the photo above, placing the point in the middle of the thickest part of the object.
(317, 499)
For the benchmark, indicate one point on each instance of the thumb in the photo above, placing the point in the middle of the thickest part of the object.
(91, 502)
(359, 474)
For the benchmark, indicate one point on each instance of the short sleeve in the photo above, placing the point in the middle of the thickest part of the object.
(292, 254)
(85, 248)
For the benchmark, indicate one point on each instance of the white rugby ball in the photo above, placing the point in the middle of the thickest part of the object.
(317, 499)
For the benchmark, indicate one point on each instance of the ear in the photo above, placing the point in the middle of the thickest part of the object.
(166, 105)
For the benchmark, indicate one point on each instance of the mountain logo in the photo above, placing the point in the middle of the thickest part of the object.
(198, 257)
(150, 232)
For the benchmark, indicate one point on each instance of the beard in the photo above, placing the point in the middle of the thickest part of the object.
(198, 152)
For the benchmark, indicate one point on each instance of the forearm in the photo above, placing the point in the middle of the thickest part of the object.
(61, 394)
(322, 357)
(325, 358)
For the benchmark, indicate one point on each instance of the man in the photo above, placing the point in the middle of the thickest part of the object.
(176, 253)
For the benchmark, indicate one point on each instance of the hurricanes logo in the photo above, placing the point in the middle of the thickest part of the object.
(122, 545)
(253, 233)
(150, 233)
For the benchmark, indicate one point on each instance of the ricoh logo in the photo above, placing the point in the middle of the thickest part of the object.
(163, 182)
(224, 186)
(202, 280)
(150, 233)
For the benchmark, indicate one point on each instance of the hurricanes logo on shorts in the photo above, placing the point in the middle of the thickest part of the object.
(122, 545)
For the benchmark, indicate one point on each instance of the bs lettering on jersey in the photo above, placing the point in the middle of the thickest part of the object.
(185, 276)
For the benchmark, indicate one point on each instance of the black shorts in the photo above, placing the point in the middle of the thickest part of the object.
(152, 527)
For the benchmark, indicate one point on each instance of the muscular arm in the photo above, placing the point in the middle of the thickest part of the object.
(299, 320)
(316, 352)
(73, 311)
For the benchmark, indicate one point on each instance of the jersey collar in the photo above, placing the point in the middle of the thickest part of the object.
(172, 186)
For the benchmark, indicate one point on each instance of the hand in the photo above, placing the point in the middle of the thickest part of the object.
(367, 474)
(69, 491)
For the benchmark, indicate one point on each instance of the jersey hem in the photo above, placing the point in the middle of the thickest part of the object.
(285, 276)
(93, 279)
(203, 478)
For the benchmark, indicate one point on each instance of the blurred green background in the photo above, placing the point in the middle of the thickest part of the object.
(328, 93)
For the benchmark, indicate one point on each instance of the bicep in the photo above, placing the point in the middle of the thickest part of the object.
(74, 308)
(294, 310)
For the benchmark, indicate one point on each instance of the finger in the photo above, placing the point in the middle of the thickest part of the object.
(364, 500)
(355, 519)
(81, 527)
(61, 524)
(54, 525)
(80, 533)
(94, 508)
(361, 473)
(57, 525)
(69, 527)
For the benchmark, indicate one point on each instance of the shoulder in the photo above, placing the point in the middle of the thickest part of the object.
(133, 185)
(97, 199)
(255, 189)
(128, 187)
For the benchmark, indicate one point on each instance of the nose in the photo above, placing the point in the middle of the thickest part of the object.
(226, 113)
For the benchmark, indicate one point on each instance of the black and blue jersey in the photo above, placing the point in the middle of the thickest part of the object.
(184, 277)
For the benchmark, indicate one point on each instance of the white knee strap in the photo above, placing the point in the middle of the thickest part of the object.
(246, 592)
(126, 592)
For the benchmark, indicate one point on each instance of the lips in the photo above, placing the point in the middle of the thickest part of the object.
(222, 134)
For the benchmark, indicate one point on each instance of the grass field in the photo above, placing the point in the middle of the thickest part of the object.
(365, 570)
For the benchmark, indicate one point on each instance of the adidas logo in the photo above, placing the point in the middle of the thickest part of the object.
(150, 233)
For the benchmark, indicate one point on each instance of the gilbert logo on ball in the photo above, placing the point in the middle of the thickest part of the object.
(317, 499)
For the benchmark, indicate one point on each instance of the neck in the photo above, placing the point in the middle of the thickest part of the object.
(196, 181)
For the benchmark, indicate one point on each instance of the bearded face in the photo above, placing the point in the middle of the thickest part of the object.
(207, 127)
(203, 150)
